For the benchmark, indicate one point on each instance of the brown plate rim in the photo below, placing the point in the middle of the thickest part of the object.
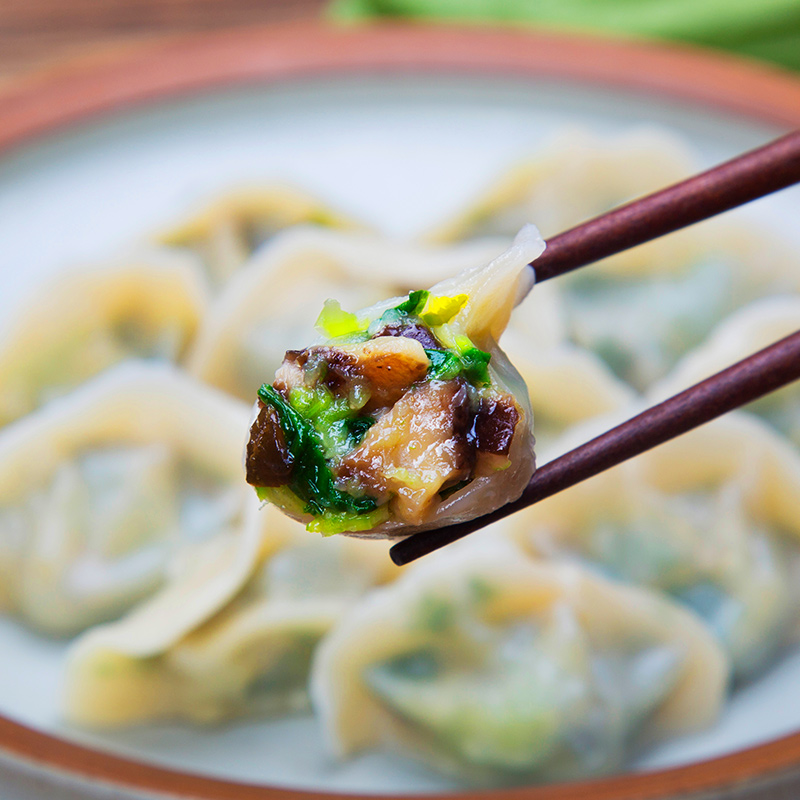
(75, 92)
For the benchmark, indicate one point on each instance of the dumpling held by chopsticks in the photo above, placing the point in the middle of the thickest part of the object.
(405, 416)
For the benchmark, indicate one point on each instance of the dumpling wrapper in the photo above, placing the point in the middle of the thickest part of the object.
(500, 669)
(232, 635)
(414, 450)
(227, 231)
(641, 325)
(145, 305)
(98, 489)
(711, 518)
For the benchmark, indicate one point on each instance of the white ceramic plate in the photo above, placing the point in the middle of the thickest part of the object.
(399, 151)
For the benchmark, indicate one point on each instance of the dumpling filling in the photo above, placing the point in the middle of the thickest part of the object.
(402, 412)
(357, 432)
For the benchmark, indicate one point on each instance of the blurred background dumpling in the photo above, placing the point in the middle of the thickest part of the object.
(711, 518)
(273, 302)
(500, 669)
(145, 305)
(752, 328)
(227, 230)
(98, 490)
(232, 635)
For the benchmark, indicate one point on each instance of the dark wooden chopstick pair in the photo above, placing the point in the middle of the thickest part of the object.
(748, 177)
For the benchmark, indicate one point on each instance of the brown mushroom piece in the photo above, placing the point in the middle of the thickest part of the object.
(380, 370)
(268, 461)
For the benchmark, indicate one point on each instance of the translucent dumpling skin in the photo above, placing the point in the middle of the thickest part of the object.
(407, 415)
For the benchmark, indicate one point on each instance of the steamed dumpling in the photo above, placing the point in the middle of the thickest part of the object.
(97, 490)
(640, 325)
(272, 303)
(232, 635)
(567, 384)
(641, 319)
(712, 518)
(500, 669)
(226, 232)
(407, 415)
(146, 305)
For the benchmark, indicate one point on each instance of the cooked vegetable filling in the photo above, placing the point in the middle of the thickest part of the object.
(384, 421)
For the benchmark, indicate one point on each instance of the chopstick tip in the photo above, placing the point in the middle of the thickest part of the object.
(398, 555)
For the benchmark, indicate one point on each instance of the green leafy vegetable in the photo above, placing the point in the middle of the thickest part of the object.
(473, 364)
(339, 431)
(309, 403)
(312, 480)
(444, 365)
(456, 487)
(476, 366)
(357, 428)
(410, 307)
(415, 303)
(465, 359)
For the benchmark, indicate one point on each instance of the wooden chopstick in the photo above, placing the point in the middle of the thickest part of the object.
(747, 177)
(747, 380)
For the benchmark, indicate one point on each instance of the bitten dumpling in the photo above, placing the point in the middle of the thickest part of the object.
(146, 305)
(407, 416)
(711, 518)
(232, 635)
(99, 488)
(500, 669)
